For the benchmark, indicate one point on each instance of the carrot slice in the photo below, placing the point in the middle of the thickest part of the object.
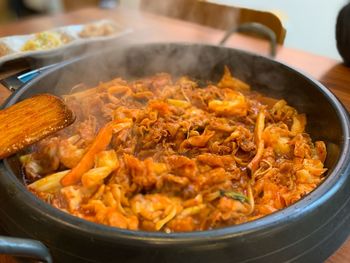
(100, 143)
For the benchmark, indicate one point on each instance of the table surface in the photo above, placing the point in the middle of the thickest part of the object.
(152, 28)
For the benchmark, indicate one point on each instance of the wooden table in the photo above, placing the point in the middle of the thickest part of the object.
(152, 28)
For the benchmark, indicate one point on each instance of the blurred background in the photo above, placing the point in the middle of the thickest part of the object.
(308, 25)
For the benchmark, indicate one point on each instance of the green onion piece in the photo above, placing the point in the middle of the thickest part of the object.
(234, 195)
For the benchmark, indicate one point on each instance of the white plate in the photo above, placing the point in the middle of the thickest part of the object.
(16, 43)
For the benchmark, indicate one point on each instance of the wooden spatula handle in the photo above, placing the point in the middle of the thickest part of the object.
(30, 121)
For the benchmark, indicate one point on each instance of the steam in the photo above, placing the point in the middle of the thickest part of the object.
(107, 60)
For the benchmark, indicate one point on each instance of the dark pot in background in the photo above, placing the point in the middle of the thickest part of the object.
(343, 33)
(308, 231)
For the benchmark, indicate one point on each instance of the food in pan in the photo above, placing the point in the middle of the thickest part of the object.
(98, 30)
(159, 154)
(4, 49)
(46, 40)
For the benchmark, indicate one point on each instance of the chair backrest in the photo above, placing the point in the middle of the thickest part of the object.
(70, 5)
(214, 15)
(266, 18)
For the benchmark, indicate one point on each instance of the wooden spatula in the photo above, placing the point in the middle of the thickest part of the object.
(30, 121)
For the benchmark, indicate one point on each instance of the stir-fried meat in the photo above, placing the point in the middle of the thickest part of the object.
(159, 154)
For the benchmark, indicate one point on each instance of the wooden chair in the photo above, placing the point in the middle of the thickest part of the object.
(214, 15)
(70, 5)
(6, 12)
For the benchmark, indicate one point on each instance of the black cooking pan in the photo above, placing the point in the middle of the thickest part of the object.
(308, 231)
